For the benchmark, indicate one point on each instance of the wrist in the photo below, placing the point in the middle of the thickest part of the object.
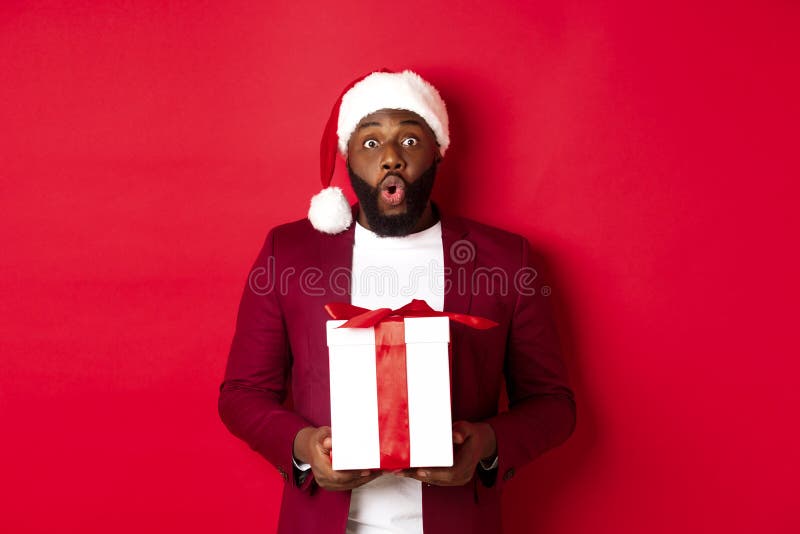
(300, 448)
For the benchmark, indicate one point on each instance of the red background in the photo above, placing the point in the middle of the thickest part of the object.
(648, 151)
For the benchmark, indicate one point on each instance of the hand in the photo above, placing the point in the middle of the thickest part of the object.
(313, 446)
(473, 442)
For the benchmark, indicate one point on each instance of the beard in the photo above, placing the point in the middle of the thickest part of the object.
(417, 195)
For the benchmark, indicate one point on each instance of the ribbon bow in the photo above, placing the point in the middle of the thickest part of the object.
(364, 318)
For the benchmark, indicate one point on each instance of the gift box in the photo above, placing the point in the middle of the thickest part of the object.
(390, 394)
(390, 386)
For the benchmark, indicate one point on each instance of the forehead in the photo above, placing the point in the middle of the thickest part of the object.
(391, 117)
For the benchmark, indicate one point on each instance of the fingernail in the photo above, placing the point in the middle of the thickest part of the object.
(422, 473)
(364, 473)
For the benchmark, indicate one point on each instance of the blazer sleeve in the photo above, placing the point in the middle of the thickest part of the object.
(541, 412)
(254, 388)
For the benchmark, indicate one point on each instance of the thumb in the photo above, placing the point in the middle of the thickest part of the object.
(324, 439)
(460, 432)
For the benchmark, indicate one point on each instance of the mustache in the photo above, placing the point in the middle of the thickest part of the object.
(390, 174)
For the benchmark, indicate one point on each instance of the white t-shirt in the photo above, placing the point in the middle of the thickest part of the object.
(387, 273)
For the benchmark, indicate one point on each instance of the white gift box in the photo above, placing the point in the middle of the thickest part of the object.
(356, 432)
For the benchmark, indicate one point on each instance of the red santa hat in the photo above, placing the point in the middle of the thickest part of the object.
(329, 212)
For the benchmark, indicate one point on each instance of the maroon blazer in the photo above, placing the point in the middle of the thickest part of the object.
(276, 380)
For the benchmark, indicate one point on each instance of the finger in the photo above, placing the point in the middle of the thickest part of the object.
(360, 481)
(323, 432)
(344, 480)
(461, 431)
(322, 440)
(438, 476)
(340, 479)
(368, 475)
(429, 480)
(435, 472)
(358, 472)
(324, 454)
(433, 476)
(461, 426)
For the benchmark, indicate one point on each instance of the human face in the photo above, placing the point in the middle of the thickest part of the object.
(390, 150)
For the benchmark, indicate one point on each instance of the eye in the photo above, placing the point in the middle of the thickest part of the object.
(410, 141)
(370, 143)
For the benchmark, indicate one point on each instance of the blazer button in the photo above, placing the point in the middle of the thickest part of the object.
(509, 474)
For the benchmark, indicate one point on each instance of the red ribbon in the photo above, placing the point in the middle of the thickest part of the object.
(390, 361)
(364, 318)
(390, 367)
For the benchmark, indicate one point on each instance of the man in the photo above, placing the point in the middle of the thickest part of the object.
(392, 128)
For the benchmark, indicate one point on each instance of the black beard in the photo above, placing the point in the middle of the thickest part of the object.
(417, 196)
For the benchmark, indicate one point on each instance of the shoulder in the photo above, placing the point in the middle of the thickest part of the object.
(484, 231)
(493, 244)
(293, 231)
(298, 243)
(300, 233)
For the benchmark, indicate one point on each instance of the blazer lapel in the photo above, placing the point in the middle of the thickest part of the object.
(459, 264)
(335, 260)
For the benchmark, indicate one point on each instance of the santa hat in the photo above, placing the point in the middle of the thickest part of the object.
(329, 212)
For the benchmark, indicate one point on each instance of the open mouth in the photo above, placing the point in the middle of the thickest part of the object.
(393, 190)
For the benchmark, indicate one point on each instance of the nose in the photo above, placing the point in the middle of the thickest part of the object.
(391, 159)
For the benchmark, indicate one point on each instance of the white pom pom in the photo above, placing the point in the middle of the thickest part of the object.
(329, 212)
